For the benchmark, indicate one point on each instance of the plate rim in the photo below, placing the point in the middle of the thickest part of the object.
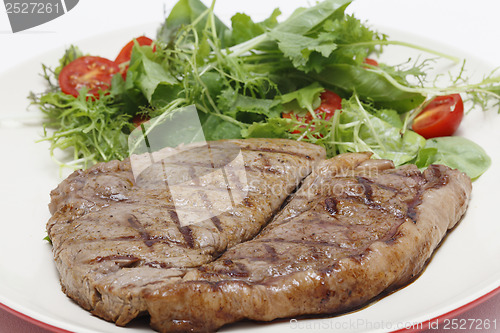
(422, 326)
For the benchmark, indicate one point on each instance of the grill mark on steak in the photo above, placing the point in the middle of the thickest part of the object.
(240, 270)
(128, 261)
(277, 151)
(217, 223)
(266, 169)
(134, 223)
(367, 197)
(411, 204)
(154, 239)
(156, 264)
(273, 255)
(208, 204)
(186, 232)
(121, 260)
(367, 189)
(298, 242)
(436, 180)
(230, 268)
(210, 147)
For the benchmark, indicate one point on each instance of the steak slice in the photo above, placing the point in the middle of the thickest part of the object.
(356, 227)
(117, 229)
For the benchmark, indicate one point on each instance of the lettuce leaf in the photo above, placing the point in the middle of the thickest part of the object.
(360, 130)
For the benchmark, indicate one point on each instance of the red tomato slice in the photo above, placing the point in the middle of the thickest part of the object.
(126, 53)
(330, 102)
(441, 117)
(94, 73)
(371, 61)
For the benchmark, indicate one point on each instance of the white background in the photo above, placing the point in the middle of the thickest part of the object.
(470, 26)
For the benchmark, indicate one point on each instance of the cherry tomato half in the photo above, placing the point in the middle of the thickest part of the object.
(330, 102)
(441, 117)
(139, 119)
(126, 53)
(94, 73)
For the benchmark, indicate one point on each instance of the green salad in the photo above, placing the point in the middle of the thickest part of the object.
(312, 77)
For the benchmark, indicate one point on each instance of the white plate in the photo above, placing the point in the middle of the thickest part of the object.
(464, 268)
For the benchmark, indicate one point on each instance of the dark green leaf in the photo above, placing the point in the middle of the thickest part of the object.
(305, 20)
(369, 85)
(216, 128)
(458, 153)
(147, 75)
(232, 103)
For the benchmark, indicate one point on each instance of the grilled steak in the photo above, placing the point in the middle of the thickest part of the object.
(356, 227)
(117, 229)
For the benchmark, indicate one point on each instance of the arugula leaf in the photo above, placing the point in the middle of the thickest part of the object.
(130, 100)
(302, 35)
(234, 105)
(299, 48)
(146, 74)
(244, 29)
(369, 85)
